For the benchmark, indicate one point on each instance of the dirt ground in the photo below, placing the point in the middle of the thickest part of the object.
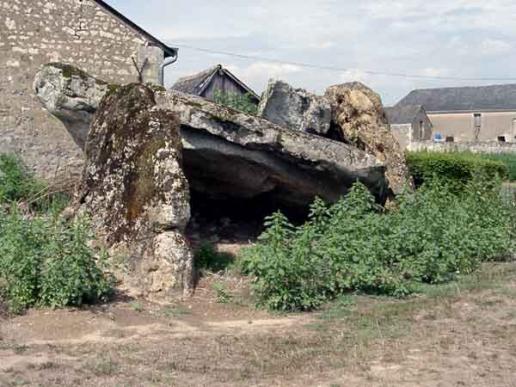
(461, 334)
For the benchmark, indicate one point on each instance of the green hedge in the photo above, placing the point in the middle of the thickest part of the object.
(509, 159)
(456, 168)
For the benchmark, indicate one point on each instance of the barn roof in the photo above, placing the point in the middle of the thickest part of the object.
(495, 97)
(404, 114)
(197, 83)
(169, 51)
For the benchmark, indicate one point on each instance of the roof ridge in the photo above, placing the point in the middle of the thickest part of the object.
(203, 73)
(169, 51)
(464, 98)
(466, 87)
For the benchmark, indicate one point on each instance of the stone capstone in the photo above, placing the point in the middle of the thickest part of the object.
(135, 193)
(227, 153)
(71, 95)
(358, 113)
(295, 109)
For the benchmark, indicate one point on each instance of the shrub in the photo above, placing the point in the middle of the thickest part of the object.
(434, 235)
(243, 103)
(16, 182)
(44, 261)
(456, 168)
(509, 159)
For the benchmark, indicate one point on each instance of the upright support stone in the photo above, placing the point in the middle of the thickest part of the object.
(134, 190)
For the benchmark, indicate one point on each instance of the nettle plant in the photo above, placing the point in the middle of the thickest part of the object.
(44, 260)
(432, 236)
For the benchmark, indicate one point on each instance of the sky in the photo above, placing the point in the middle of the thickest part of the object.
(436, 38)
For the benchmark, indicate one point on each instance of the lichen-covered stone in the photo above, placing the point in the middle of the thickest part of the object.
(135, 192)
(228, 153)
(358, 112)
(295, 109)
(71, 95)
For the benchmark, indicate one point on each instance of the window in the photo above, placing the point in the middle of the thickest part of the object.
(477, 123)
(450, 139)
(501, 138)
(477, 117)
(421, 130)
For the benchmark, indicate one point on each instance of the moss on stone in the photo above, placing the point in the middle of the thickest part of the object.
(70, 71)
(141, 187)
(155, 88)
(112, 89)
(127, 113)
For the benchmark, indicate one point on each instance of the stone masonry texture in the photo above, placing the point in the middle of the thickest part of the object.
(77, 32)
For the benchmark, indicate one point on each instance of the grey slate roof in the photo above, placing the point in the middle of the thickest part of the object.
(197, 83)
(402, 114)
(169, 51)
(495, 97)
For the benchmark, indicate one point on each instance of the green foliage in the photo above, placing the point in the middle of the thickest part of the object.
(44, 261)
(509, 159)
(209, 259)
(243, 103)
(433, 236)
(456, 168)
(16, 182)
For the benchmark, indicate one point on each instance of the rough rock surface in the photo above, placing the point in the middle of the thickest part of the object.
(231, 154)
(71, 95)
(134, 190)
(296, 109)
(358, 112)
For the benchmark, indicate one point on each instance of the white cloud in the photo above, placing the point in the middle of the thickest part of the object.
(460, 38)
(495, 47)
(433, 72)
(258, 74)
(354, 75)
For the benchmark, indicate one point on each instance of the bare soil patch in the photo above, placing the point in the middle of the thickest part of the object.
(461, 334)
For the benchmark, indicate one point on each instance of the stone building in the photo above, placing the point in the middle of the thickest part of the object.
(409, 123)
(88, 34)
(469, 114)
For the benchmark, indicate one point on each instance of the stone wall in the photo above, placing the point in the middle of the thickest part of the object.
(475, 147)
(79, 32)
(402, 133)
(461, 126)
